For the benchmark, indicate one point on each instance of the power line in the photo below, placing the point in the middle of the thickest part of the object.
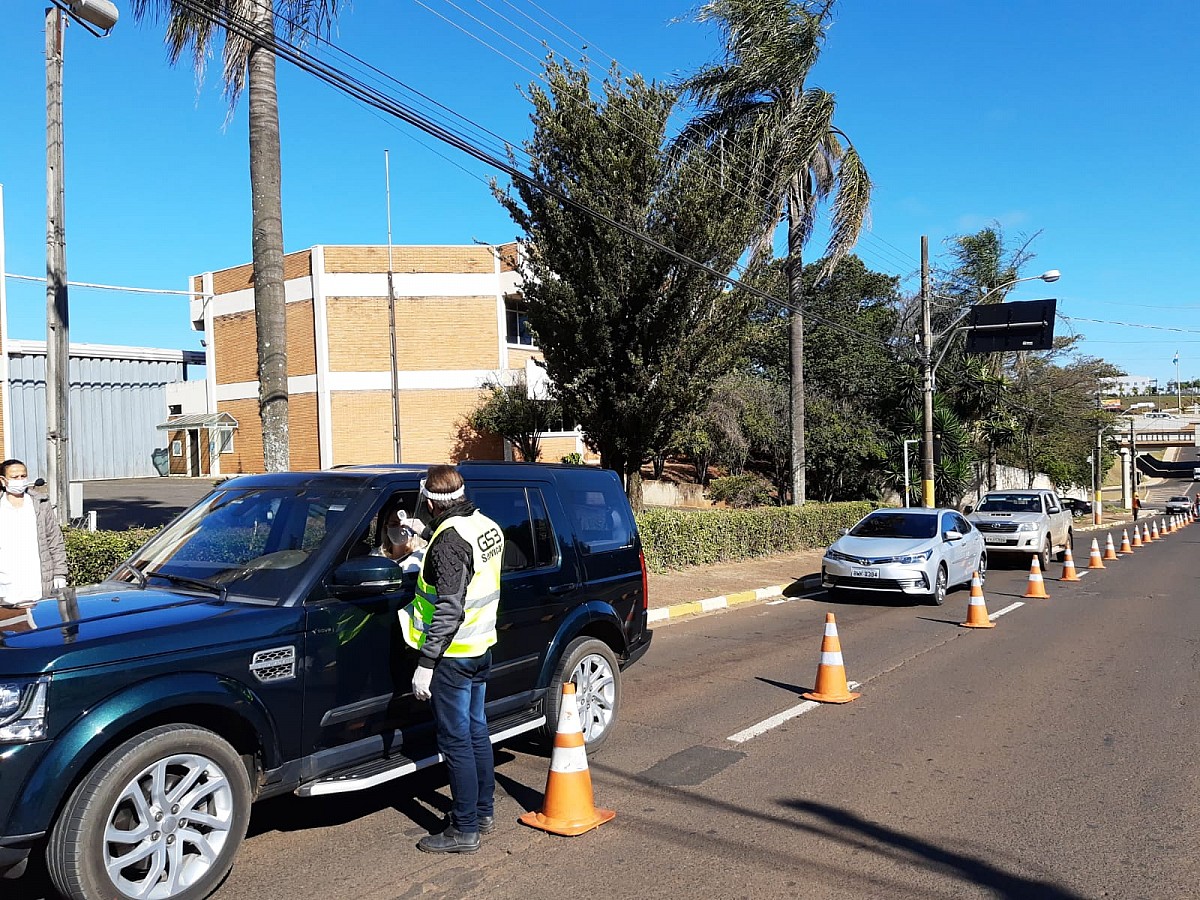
(353, 87)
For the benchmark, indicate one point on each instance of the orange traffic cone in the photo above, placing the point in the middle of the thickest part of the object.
(1110, 552)
(1146, 533)
(977, 614)
(1154, 535)
(568, 808)
(1125, 545)
(1037, 587)
(1069, 573)
(831, 673)
(1094, 560)
(1137, 536)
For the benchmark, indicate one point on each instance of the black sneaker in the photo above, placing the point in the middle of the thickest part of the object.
(450, 841)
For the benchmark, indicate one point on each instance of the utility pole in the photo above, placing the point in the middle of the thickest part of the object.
(395, 362)
(1097, 477)
(927, 492)
(58, 316)
(1133, 469)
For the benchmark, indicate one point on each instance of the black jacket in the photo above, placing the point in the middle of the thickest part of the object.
(448, 568)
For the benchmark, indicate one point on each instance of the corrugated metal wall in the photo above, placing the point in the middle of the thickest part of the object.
(115, 406)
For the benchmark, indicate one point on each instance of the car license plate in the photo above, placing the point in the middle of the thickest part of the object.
(995, 538)
(864, 573)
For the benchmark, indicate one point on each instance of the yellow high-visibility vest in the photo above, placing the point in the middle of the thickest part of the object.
(482, 602)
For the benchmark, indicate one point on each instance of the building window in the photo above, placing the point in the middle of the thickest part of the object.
(177, 448)
(516, 315)
(175, 409)
(224, 441)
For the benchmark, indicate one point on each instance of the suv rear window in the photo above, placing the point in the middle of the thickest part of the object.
(598, 509)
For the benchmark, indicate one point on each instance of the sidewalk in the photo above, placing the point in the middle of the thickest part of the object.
(708, 588)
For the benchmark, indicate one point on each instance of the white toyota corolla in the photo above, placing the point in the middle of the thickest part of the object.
(912, 552)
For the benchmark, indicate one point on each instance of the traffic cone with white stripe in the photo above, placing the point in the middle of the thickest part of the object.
(1154, 535)
(1094, 560)
(831, 673)
(1137, 536)
(1036, 589)
(1125, 545)
(1146, 533)
(1069, 573)
(568, 808)
(977, 614)
(1110, 552)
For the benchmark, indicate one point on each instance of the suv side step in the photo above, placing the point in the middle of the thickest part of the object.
(368, 775)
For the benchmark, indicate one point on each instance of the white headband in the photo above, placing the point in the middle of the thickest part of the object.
(444, 498)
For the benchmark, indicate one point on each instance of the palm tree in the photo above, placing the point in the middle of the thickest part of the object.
(249, 63)
(756, 99)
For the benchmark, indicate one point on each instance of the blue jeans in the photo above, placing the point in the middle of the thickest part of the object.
(458, 689)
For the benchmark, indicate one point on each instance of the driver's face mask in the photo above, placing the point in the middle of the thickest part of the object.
(398, 532)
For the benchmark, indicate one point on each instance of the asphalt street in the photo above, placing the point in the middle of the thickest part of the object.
(1049, 757)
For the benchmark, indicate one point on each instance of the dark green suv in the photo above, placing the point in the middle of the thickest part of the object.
(252, 648)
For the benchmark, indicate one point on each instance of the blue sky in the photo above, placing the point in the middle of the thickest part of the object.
(1079, 120)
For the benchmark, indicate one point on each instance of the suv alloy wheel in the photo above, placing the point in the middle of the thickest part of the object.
(593, 667)
(161, 817)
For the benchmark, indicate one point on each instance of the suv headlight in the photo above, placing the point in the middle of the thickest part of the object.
(23, 711)
(1028, 526)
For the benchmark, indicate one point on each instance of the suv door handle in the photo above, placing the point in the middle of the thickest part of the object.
(563, 588)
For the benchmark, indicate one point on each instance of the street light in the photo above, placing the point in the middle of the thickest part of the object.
(92, 15)
(929, 367)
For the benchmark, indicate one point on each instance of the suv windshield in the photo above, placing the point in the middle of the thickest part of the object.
(896, 525)
(1011, 503)
(254, 542)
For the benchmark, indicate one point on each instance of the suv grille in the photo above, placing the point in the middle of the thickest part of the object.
(278, 664)
(997, 527)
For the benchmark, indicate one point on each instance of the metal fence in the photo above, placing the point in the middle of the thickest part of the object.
(115, 405)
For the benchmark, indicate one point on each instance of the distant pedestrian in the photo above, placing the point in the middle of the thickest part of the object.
(452, 623)
(33, 557)
(1137, 507)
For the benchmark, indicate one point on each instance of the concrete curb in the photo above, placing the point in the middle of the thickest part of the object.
(665, 615)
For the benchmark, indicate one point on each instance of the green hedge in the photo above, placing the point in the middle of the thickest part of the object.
(675, 538)
(91, 555)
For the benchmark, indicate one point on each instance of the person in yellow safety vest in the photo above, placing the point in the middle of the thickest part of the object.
(452, 622)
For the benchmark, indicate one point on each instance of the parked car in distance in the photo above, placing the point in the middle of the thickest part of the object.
(1179, 504)
(911, 552)
(1078, 508)
(252, 648)
(1024, 522)
(1159, 415)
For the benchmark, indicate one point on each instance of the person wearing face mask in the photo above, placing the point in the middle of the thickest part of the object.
(400, 542)
(33, 557)
(451, 622)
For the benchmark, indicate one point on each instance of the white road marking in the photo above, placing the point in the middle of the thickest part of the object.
(998, 613)
(778, 719)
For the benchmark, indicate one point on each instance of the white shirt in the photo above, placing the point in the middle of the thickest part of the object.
(20, 559)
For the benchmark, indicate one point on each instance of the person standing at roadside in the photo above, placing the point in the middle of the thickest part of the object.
(452, 622)
(1137, 507)
(33, 557)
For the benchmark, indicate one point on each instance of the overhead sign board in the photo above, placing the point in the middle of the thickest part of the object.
(1021, 325)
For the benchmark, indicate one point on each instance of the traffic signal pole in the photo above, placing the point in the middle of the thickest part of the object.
(927, 492)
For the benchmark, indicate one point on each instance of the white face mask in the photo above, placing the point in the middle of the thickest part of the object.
(397, 534)
(16, 485)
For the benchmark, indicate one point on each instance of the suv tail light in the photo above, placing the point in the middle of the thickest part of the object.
(645, 581)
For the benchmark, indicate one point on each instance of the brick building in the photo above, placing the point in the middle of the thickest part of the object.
(459, 325)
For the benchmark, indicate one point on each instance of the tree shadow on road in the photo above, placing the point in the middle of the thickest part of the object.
(854, 829)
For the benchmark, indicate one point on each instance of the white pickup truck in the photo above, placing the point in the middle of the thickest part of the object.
(1024, 522)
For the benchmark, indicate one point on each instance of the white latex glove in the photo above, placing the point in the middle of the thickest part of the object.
(421, 681)
(58, 583)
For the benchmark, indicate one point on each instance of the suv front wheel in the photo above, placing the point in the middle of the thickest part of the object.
(593, 667)
(160, 817)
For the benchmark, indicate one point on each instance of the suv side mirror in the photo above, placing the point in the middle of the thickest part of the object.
(365, 575)
(843, 531)
(967, 510)
(952, 535)
(1053, 509)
